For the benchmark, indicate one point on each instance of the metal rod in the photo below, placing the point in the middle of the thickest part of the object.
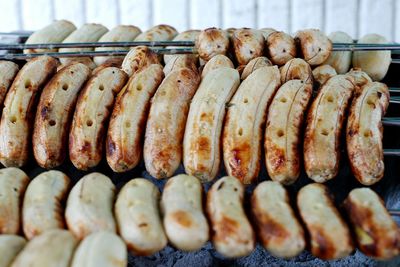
(394, 100)
(391, 152)
(394, 212)
(94, 53)
(388, 121)
(364, 47)
(394, 89)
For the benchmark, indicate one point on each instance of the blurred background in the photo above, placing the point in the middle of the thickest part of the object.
(356, 17)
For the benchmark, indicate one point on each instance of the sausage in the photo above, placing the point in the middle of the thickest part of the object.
(340, 60)
(364, 132)
(247, 44)
(377, 234)
(184, 221)
(232, 233)
(55, 32)
(53, 248)
(324, 126)
(190, 35)
(159, 32)
(283, 131)
(323, 73)
(54, 115)
(212, 42)
(277, 226)
(128, 119)
(102, 249)
(91, 116)
(280, 47)
(10, 246)
(266, 32)
(42, 208)
(374, 63)
(360, 77)
(296, 68)
(201, 142)
(216, 62)
(162, 150)
(138, 58)
(19, 106)
(138, 217)
(254, 64)
(8, 71)
(89, 32)
(179, 62)
(330, 236)
(13, 183)
(120, 33)
(90, 206)
(314, 46)
(242, 132)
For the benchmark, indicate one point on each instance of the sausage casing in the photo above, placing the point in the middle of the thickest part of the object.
(138, 217)
(42, 208)
(324, 126)
(212, 42)
(377, 233)
(314, 45)
(364, 132)
(189, 35)
(139, 58)
(184, 221)
(242, 132)
(232, 232)
(296, 68)
(247, 44)
(19, 106)
(91, 115)
(278, 228)
(216, 62)
(90, 205)
(10, 246)
(53, 248)
(101, 249)
(254, 64)
(340, 60)
(180, 62)
(165, 127)
(201, 144)
(54, 115)
(159, 32)
(330, 236)
(323, 73)
(13, 183)
(8, 71)
(280, 47)
(283, 131)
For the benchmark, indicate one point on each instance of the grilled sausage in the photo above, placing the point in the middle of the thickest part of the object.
(216, 62)
(92, 112)
(278, 228)
(377, 233)
(266, 32)
(54, 115)
(179, 62)
(90, 204)
(53, 248)
(165, 127)
(296, 68)
(184, 220)
(364, 132)
(8, 71)
(17, 118)
(280, 47)
(340, 60)
(330, 236)
(138, 217)
(89, 32)
(254, 64)
(323, 73)
(212, 42)
(120, 33)
(10, 246)
(128, 119)
(360, 77)
(232, 232)
(201, 143)
(190, 35)
(314, 45)
(324, 127)
(55, 32)
(247, 44)
(102, 249)
(13, 183)
(139, 58)
(242, 132)
(160, 32)
(42, 208)
(283, 131)
(374, 63)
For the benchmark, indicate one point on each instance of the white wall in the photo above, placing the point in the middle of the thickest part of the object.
(357, 17)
